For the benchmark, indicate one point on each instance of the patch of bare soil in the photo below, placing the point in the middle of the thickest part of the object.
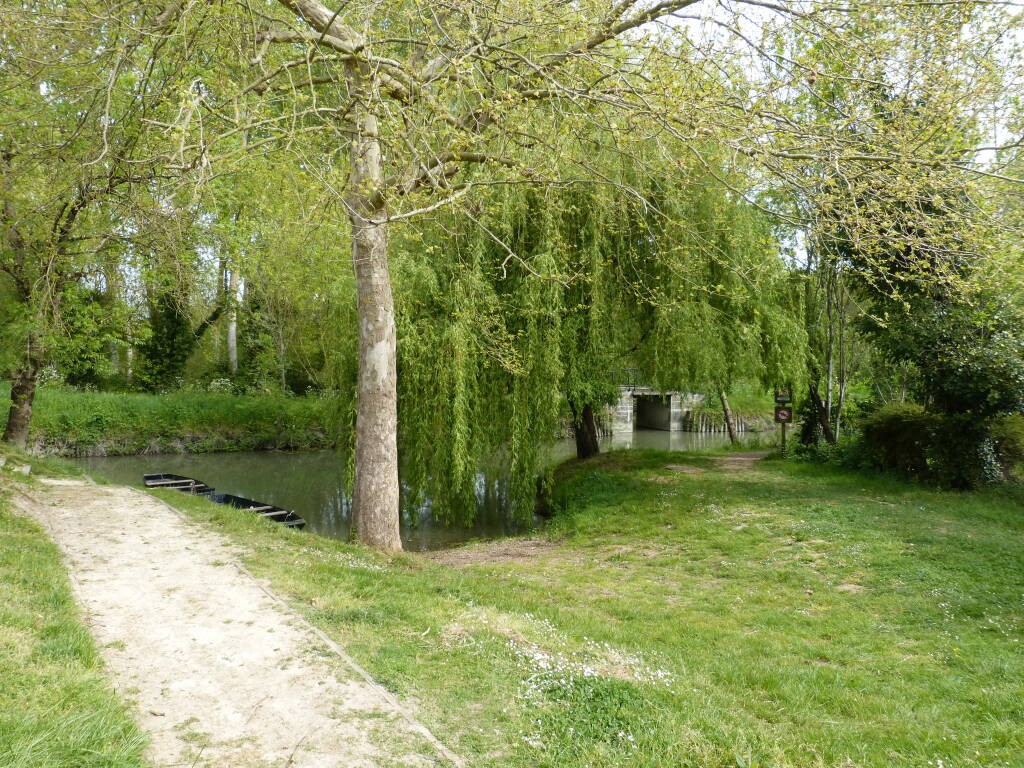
(221, 672)
(740, 461)
(851, 587)
(484, 553)
(684, 468)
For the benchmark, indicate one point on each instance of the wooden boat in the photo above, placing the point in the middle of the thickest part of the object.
(193, 486)
(176, 482)
(277, 514)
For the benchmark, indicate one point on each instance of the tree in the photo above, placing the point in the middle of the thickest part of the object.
(403, 108)
(78, 87)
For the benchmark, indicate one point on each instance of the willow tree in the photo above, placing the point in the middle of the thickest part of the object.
(403, 107)
(666, 271)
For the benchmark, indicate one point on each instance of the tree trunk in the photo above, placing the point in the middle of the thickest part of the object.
(23, 393)
(233, 324)
(584, 427)
(375, 502)
(822, 413)
(730, 423)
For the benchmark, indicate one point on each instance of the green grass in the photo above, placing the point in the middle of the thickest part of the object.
(795, 615)
(73, 423)
(57, 709)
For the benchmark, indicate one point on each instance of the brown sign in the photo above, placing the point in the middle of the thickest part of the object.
(783, 395)
(783, 414)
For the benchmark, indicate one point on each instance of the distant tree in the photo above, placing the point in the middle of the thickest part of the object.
(79, 86)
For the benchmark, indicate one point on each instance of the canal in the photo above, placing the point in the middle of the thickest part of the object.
(311, 484)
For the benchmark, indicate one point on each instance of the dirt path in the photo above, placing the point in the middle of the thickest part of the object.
(739, 462)
(222, 673)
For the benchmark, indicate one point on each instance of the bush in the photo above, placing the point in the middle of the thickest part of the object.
(897, 437)
(1008, 436)
(962, 453)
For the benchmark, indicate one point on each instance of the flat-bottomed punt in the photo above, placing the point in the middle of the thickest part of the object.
(197, 487)
(176, 483)
(269, 511)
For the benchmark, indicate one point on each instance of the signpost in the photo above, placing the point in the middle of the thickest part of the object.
(783, 411)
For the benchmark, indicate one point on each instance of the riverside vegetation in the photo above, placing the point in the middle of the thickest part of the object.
(80, 423)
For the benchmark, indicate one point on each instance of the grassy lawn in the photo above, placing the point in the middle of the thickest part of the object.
(792, 615)
(57, 709)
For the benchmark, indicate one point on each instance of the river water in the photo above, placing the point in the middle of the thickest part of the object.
(311, 484)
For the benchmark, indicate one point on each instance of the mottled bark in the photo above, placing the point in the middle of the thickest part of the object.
(23, 393)
(730, 423)
(584, 427)
(375, 499)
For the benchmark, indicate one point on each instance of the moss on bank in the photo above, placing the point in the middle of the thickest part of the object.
(71, 423)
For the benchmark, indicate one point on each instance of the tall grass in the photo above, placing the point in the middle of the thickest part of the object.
(73, 423)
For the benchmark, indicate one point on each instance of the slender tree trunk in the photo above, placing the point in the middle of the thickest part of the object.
(730, 423)
(375, 499)
(23, 393)
(281, 361)
(822, 413)
(584, 427)
(233, 324)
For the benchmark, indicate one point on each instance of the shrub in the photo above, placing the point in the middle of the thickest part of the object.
(1008, 435)
(897, 437)
(962, 453)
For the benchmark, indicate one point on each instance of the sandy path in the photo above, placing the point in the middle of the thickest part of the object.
(221, 672)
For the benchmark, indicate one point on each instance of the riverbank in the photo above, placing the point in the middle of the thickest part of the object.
(684, 613)
(71, 423)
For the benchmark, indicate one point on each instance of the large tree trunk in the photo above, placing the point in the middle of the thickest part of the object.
(375, 510)
(730, 423)
(584, 427)
(23, 393)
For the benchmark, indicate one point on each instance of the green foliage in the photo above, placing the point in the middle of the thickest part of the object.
(91, 325)
(962, 453)
(1008, 434)
(101, 423)
(57, 708)
(168, 344)
(531, 299)
(898, 437)
(968, 352)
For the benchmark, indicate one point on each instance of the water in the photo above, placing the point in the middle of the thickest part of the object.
(311, 484)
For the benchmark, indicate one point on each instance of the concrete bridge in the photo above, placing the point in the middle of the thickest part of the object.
(646, 408)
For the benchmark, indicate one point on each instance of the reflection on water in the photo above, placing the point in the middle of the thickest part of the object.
(311, 484)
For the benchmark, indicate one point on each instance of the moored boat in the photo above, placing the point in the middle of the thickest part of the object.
(176, 483)
(277, 514)
(190, 485)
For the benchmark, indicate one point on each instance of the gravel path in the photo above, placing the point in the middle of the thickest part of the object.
(221, 672)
